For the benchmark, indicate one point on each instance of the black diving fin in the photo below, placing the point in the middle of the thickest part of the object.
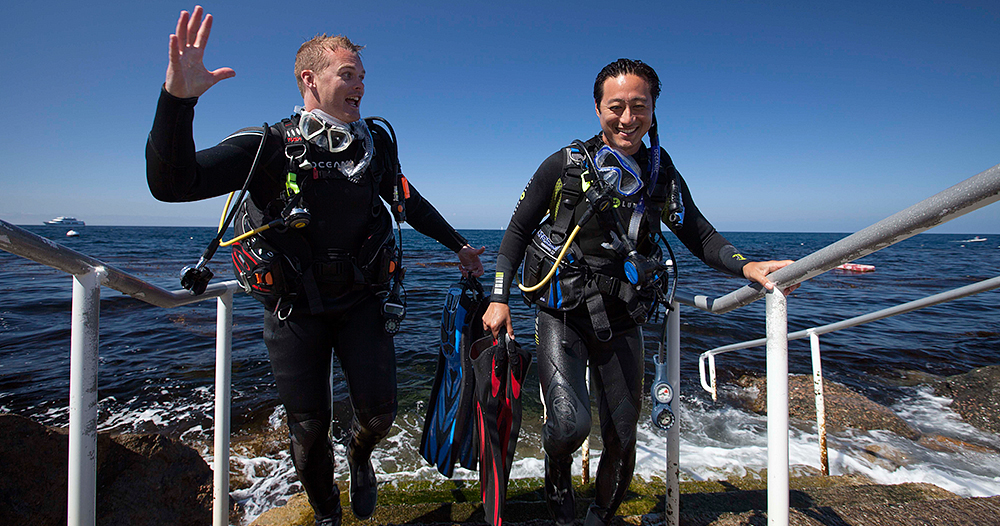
(448, 430)
(500, 369)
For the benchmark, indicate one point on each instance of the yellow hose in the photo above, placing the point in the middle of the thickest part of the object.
(244, 236)
(552, 271)
(225, 210)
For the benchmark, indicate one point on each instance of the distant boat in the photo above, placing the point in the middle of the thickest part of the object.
(64, 221)
(72, 233)
(974, 240)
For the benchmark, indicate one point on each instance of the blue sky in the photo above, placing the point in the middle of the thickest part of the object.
(782, 116)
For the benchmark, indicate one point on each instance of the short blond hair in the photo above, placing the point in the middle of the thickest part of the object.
(312, 54)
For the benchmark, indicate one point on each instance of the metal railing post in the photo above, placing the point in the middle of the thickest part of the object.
(777, 408)
(223, 398)
(824, 459)
(671, 505)
(82, 495)
(585, 448)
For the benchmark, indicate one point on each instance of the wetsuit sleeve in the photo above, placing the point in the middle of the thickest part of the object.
(701, 238)
(531, 208)
(175, 172)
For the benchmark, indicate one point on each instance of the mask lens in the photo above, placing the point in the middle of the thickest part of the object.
(619, 170)
(310, 126)
(318, 130)
(338, 139)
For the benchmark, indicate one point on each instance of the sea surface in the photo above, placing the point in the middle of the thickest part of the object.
(156, 368)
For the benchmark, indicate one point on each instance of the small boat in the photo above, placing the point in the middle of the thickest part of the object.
(856, 267)
(72, 233)
(64, 221)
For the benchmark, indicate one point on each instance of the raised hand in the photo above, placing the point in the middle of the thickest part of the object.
(186, 72)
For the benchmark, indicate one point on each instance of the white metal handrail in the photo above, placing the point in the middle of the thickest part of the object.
(973, 193)
(708, 381)
(89, 275)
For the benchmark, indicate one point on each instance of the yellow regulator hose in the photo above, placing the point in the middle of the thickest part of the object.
(552, 271)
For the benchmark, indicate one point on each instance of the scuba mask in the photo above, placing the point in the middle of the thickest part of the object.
(334, 136)
(620, 171)
(325, 131)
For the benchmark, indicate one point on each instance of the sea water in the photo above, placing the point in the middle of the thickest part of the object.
(156, 366)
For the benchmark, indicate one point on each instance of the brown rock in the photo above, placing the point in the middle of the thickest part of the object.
(845, 409)
(141, 479)
(976, 396)
(296, 512)
(949, 444)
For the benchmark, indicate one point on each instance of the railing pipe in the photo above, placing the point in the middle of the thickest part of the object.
(223, 399)
(82, 497)
(973, 193)
(777, 408)
(824, 461)
(585, 448)
(672, 495)
(941, 297)
(22, 243)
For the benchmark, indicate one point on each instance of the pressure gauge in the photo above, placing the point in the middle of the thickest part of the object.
(663, 393)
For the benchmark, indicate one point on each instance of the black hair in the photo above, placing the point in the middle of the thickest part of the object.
(624, 66)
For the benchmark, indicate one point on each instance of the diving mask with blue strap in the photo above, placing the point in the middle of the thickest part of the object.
(619, 171)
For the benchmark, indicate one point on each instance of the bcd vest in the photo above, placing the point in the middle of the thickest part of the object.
(590, 270)
(278, 266)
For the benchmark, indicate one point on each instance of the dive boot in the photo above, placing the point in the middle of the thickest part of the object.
(594, 516)
(559, 495)
(364, 486)
(332, 517)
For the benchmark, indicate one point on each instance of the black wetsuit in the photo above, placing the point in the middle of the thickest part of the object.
(567, 340)
(343, 215)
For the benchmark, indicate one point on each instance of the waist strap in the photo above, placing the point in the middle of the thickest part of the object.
(600, 285)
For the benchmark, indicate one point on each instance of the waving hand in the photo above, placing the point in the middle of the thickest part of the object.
(186, 72)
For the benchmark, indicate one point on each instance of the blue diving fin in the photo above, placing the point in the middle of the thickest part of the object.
(448, 431)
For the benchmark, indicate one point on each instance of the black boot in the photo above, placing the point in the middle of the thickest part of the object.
(364, 487)
(333, 516)
(559, 495)
(594, 514)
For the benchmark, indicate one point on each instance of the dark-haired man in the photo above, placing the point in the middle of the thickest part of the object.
(321, 290)
(590, 311)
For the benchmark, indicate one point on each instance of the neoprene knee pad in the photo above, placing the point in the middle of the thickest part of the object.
(567, 423)
(305, 431)
(367, 431)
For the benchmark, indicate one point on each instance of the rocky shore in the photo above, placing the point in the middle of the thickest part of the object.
(141, 479)
(150, 479)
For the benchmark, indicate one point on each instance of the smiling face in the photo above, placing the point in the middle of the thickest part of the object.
(625, 111)
(336, 89)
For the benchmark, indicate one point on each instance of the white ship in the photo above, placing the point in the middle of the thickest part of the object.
(64, 221)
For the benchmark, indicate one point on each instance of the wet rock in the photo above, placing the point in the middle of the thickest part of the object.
(885, 456)
(976, 396)
(951, 445)
(141, 479)
(296, 511)
(845, 409)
